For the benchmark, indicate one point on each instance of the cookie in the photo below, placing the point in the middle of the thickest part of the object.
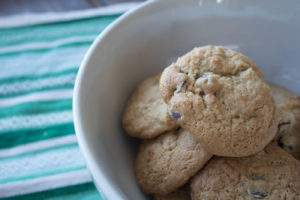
(182, 193)
(220, 96)
(270, 174)
(165, 163)
(288, 134)
(280, 93)
(146, 114)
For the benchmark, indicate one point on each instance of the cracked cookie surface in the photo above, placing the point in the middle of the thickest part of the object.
(146, 114)
(220, 96)
(165, 163)
(288, 134)
(270, 174)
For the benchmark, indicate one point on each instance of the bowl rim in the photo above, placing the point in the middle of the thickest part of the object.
(104, 187)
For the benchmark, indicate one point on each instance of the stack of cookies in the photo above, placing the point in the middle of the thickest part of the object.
(212, 128)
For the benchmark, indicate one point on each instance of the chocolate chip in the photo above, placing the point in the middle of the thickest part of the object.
(258, 194)
(202, 93)
(175, 114)
(280, 143)
(256, 177)
(178, 128)
(215, 93)
(283, 123)
(179, 87)
(290, 147)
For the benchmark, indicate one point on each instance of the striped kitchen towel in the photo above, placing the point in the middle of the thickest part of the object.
(39, 59)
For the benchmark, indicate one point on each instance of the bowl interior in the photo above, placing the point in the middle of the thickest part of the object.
(147, 40)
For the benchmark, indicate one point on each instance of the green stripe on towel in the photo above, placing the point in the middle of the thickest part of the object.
(43, 162)
(85, 191)
(13, 138)
(39, 107)
(35, 77)
(54, 31)
(44, 48)
(37, 143)
(39, 63)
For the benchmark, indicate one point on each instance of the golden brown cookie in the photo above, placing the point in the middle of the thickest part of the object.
(146, 114)
(182, 193)
(270, 174)
(280, 93)
(165, 163)
(288, 134)
(220, 96)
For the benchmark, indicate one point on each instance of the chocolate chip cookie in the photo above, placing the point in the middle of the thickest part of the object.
(270, 174)
(220, 96)
(280, 93)
(165, 163)
(146, 114)
(288, 134)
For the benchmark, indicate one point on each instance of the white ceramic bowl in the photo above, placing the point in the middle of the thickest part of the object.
(147, 39)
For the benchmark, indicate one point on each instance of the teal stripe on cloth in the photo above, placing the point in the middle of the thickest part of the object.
(43, 162)
(13, 138)
(36, 121)
(37, 61)
(19, 50)
(54, 31)
(43, 62)
(33, 77)
(36, 107)
(85, 191)
(38, 86)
